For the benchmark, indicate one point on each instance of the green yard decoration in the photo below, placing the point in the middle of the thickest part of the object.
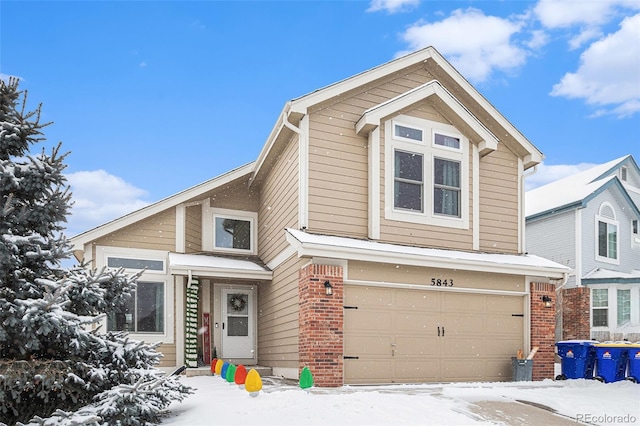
(231, 373)
(306, 378)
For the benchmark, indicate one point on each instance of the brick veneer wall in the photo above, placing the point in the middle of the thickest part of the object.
(575, 313)
(543, 324)
(321, 320)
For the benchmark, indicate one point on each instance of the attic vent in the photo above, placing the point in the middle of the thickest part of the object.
(607, 211)
(623, 174)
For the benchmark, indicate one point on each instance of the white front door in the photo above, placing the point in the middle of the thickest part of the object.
(237, 323)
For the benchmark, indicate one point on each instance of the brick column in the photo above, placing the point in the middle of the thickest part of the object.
(543, 324)
(320, 320)
(575, 313)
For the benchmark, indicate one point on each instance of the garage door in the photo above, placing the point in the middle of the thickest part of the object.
(404, 336)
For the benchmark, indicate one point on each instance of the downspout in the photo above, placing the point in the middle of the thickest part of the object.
(303, 169)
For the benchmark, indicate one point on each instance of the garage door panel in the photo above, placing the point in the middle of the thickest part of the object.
(505, 304)
(418, 300)
(359, 371)
(463, 302)
(503, 346)
(468, 324)
(416, 322)
(358, 320)
(365, 346)
(415, 346)
(470, 348)
(498, 370)
(463, 369)
(372, 297)
(417, 371)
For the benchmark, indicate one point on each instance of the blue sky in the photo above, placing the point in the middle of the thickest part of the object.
(152, 97)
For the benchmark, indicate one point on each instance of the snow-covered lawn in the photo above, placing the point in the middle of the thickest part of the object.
(220, 403)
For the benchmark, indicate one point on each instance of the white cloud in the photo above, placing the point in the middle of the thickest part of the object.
(584, 36)
(476, 57)
(608, 72)
(100, 197)
(392, 6)
(547, 174)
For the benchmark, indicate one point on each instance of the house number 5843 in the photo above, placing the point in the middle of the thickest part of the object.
(442, 283)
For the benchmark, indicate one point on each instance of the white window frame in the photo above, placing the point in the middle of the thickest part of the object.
(608, 221)
(164, 277)
(608, 308)
(429, 150)
(214, 213)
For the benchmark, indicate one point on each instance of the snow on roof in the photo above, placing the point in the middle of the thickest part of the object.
(569, 190)
(203, 264)
(350, 248)
(608, 274)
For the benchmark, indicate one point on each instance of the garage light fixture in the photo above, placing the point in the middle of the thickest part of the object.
(328, 288)
(547, 301)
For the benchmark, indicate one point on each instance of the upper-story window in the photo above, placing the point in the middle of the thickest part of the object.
(427, 175)
(607, 234)
(234, 231)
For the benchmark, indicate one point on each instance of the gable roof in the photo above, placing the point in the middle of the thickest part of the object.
(80, 240)
(295, 109)
(576, 190)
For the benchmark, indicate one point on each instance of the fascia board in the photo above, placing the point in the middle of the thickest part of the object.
(302, 103)
(308, 249)
(556, 210)
(271, 140)
(80, 240)
(221, 273)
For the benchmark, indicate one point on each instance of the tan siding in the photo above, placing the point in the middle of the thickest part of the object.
(168, 355)
(278, 207)
(390, 273)
(157, 232)
(193, 232)
(236, 196)
(278, 317)
(499, 201)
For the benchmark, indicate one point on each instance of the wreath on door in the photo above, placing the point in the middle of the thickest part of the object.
(237, 302)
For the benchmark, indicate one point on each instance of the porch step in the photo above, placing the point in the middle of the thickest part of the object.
(206, 371)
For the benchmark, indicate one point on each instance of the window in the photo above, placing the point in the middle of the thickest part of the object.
(232, 233)
(426, 177)
(446, 187)
(623, 174)
(123, 262)
(634, 227)
(600, 307)
(624, 306)
(408, 181)
(145, 312)
(607, 240)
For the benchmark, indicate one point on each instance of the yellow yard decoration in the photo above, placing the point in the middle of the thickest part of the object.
(253, 382)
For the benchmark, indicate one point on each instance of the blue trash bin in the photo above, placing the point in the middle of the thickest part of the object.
(578, 359)
(611, 364)
(633, 373)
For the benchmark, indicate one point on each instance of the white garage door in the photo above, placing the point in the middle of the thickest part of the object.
(404, 336)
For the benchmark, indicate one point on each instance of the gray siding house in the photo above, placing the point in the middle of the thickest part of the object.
(590, 223)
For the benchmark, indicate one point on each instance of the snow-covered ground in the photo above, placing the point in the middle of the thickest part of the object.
(221, 403)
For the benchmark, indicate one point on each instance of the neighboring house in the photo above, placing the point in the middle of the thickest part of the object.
(377, 238)
(589, 222)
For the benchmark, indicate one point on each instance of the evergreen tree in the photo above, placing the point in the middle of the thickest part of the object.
(53, 368)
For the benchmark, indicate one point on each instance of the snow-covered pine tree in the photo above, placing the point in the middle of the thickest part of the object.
(53, 370)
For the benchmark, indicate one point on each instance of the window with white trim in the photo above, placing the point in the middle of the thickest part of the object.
(146, 314)
(234, 231)
(624, 306)
(599, 307)
(607, 244)
(426, 174)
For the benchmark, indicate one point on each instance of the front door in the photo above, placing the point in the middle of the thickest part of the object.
(237, 323)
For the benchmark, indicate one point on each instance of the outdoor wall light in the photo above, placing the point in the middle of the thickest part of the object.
(328, 288)
(547, 301)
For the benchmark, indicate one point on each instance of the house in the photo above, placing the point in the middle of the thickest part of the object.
(377, 238)
(589, 222)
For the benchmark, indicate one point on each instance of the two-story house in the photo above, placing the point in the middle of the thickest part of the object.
(589, 222)
(377, 238)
